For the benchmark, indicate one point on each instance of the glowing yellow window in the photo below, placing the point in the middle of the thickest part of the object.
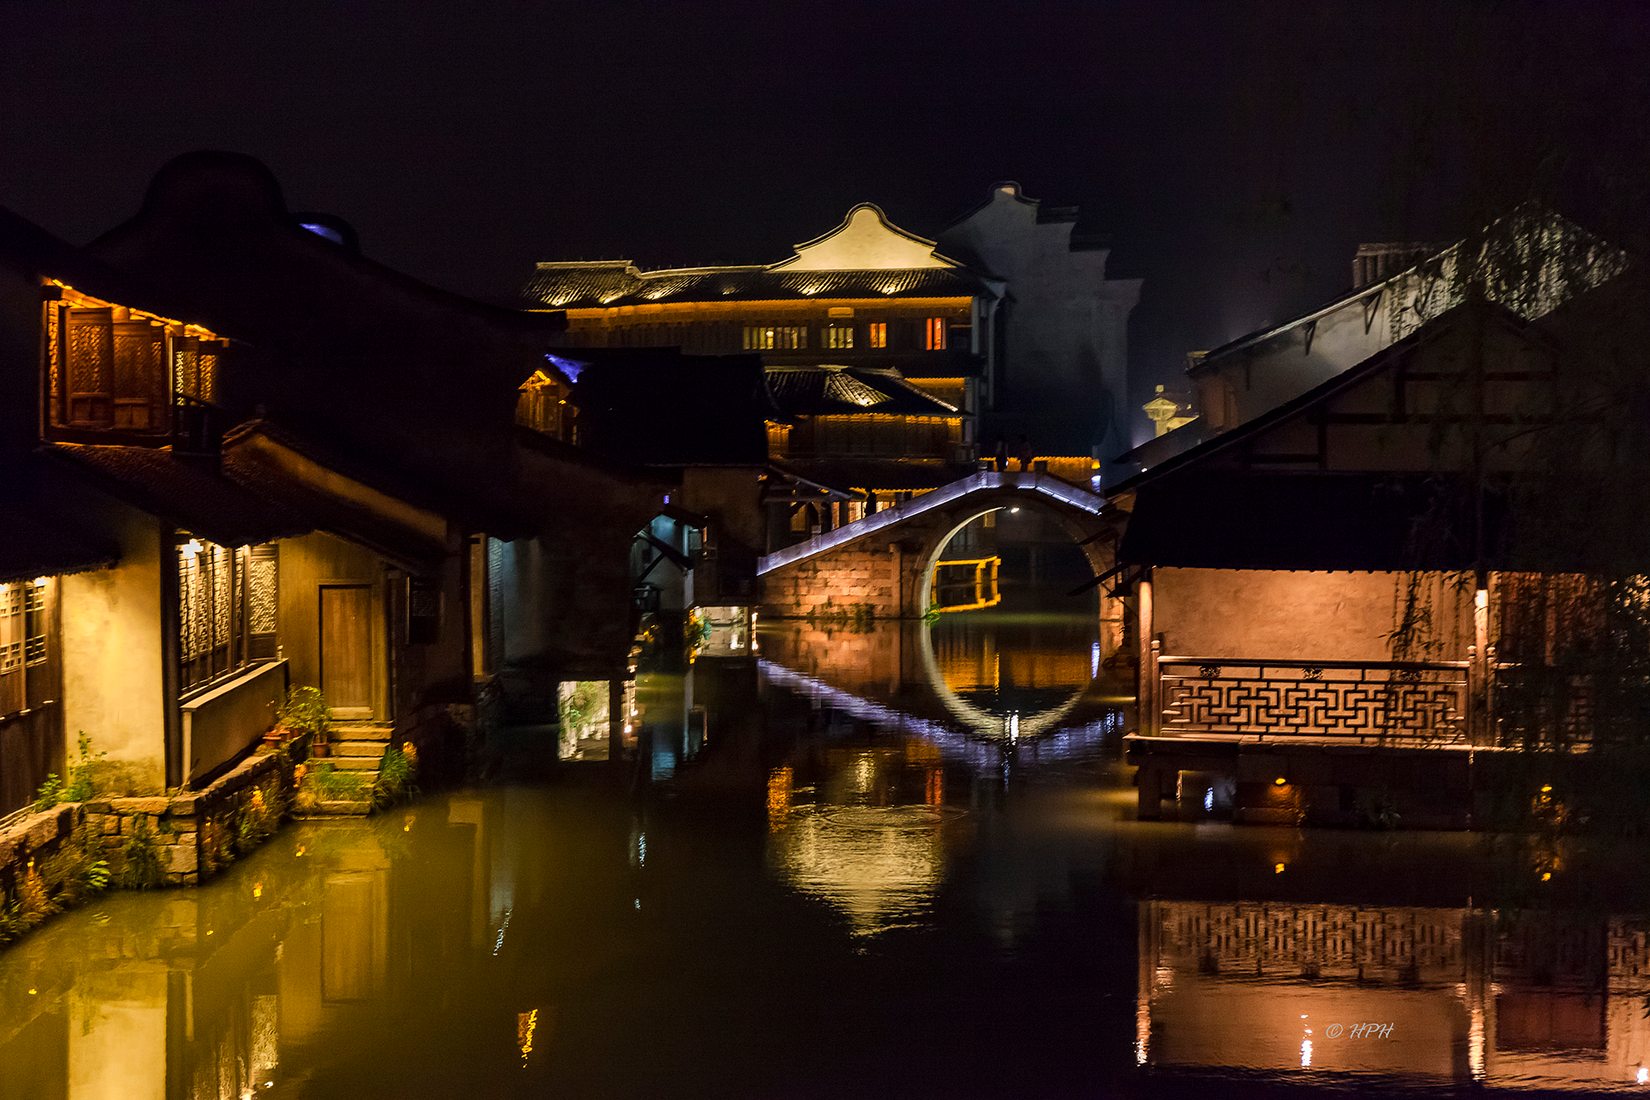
(839, 336)
(936, 334)
(878, 334)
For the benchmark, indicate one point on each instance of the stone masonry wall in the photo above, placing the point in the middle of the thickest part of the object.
(855, 581)
(34, 839)
(198, 833)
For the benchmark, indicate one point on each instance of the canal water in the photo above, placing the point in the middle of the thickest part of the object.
(890, 862)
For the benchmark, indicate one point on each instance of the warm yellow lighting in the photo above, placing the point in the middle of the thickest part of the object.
(33, 991)
(1280, 781)
(1546, 876)
(1546, 788)
(1277, 868)
(74, 297)
(527, 1024)
(190, 549)
(257, 890)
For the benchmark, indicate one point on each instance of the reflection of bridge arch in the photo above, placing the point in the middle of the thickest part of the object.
(885, 561)
(980, 721)
(1053, 744)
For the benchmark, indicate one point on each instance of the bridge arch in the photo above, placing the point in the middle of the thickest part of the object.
(883, 564)
(1099, 552)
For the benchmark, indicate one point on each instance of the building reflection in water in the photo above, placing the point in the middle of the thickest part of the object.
(1534, 1001)
(208, 994)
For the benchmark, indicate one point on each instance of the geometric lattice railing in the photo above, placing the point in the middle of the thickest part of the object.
(1360, 701)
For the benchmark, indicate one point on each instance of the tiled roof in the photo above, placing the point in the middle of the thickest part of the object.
(620, 283)
(833, 390)
(36, 538)
(241, 501)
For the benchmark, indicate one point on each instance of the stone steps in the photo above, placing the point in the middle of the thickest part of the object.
(359, 731)
(339, 809)
(367, 750)
(355, 750)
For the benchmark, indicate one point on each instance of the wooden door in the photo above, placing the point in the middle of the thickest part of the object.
(346, 649)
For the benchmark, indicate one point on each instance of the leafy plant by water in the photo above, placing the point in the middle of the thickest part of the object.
(49, 794)
(305, 713)
(76, 871)
(82, 774)
(395, 777)
(141, 856)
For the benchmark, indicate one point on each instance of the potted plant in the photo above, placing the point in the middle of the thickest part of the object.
(304, 714)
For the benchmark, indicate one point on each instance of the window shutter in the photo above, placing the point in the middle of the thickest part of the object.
(186, 365)
(262, 571)
(91, 368)
(140, 388)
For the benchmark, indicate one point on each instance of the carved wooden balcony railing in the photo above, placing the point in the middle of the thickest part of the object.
(1364, 702)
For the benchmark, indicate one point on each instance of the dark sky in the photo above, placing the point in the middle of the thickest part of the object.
(1235, 152)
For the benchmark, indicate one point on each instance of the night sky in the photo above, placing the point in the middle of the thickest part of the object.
(1235, 152)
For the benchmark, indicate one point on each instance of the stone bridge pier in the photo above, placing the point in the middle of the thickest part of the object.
(883, 565)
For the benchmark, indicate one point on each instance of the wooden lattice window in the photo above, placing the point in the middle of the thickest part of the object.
(839, 337)
(226, 609)
(140, 389)
(23, 639)
(115, 373)
(89, 393)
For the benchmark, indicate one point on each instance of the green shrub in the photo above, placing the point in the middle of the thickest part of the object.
(11, 918)
(304, 712)
(144, 869)
(337, 786)
(49, 794)
(81, 785)
(395, 778)
(75, 873)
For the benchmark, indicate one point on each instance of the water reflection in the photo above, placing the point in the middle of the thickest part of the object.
(1529, 1000)
(813, 875)
(869, 835)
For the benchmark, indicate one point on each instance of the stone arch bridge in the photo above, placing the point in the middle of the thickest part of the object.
(886, 561)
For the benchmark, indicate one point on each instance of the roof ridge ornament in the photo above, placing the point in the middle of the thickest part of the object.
(865, 241)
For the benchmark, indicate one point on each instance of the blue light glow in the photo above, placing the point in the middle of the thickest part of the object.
(326, 231)
(572, 368)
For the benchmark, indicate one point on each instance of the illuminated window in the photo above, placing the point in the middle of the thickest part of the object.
(122, 374)
(936, 334)
(878, 334)
(226, 609)
(839, 336)
(775, 337)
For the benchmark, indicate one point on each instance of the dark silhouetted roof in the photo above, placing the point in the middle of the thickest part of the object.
(1305, 520)
(620, 283)
(243, 501)
(658, 407)
(36, 540)
(833, 390)
(871, 473)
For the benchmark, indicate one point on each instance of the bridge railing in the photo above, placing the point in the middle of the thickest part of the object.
(1030, 481)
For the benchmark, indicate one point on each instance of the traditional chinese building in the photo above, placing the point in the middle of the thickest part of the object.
(1015, 338)
(1348, 568)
